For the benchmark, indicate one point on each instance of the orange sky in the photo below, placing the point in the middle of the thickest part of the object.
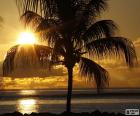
(124, 12)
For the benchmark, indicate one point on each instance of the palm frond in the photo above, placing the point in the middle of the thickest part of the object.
(92, 70)
(77, 34)
(31, 18)
(46, 28)
(65, 10)
(50, 36)
(98, 5)
(92, 9)
(42, 7)
(58, 52)
(103, 28)
(116, 45)
(59, 47)
(46, 24)
(25, 5)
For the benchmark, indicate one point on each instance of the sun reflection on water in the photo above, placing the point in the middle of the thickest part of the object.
(27, 106)
(27, 92)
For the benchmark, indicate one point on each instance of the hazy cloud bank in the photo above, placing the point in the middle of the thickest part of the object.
(1, 21)
(137, 42)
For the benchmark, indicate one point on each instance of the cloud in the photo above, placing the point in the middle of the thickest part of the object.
(137, 42)
(27, 73)
(1, 21)
(119, 77)
(0, 68)
(125, 77)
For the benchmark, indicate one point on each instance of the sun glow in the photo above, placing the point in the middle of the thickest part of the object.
(26, 38)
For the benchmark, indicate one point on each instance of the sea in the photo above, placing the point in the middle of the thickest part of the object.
(83, 100)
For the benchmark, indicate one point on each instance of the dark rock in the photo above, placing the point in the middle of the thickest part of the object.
(95, 113)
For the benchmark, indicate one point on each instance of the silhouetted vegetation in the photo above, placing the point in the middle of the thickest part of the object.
(95, 113)
(72, 29)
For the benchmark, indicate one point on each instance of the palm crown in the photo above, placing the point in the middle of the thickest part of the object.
(72, 29)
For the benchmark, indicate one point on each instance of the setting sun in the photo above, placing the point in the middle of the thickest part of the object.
(26, 38)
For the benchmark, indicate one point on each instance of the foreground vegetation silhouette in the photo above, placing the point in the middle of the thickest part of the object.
(72, 29)
(95, 113)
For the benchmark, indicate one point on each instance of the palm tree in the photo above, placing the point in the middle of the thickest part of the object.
(72, 28)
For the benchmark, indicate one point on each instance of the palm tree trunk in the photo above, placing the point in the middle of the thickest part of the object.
(69, 94)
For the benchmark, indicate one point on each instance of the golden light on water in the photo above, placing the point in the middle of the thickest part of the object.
(27, 106)
(27, 92)
(27, 38)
